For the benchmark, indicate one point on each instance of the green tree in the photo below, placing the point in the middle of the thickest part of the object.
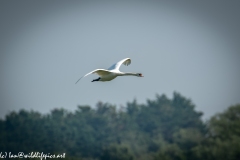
(163, 128)
(114, 152)
(223, 137)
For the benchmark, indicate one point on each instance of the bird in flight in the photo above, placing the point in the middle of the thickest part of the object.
(112, 72)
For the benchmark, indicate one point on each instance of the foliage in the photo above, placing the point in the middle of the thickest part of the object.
(223, 136)
(163, 128)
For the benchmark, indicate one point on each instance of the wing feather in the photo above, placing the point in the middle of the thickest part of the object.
(100, 72)
(116, 66)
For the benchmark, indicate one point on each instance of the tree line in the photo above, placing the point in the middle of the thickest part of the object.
(161, 129)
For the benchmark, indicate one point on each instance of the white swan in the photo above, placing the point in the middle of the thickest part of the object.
(112, 72)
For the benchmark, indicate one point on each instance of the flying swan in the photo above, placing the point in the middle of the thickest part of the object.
(112, 72)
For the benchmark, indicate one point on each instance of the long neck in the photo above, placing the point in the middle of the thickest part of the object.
(128, 74)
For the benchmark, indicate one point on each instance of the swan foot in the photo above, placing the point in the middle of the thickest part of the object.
(96, 79)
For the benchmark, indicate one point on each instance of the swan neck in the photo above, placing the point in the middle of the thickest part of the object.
(130, 74)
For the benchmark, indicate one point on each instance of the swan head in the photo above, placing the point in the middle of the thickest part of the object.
(140, 75)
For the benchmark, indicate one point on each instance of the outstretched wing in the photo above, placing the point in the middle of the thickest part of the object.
(100, 72)
(117, 65)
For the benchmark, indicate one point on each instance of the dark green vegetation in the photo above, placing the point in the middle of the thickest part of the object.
(161, 129)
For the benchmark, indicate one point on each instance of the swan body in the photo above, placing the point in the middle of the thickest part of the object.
(112, 72)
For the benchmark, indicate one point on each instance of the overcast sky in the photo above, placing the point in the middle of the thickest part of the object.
(189, 47)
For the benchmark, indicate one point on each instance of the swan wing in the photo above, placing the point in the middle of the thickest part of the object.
(117, 65)
(100, 72)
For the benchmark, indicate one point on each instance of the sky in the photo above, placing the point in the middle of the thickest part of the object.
(187, 47)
